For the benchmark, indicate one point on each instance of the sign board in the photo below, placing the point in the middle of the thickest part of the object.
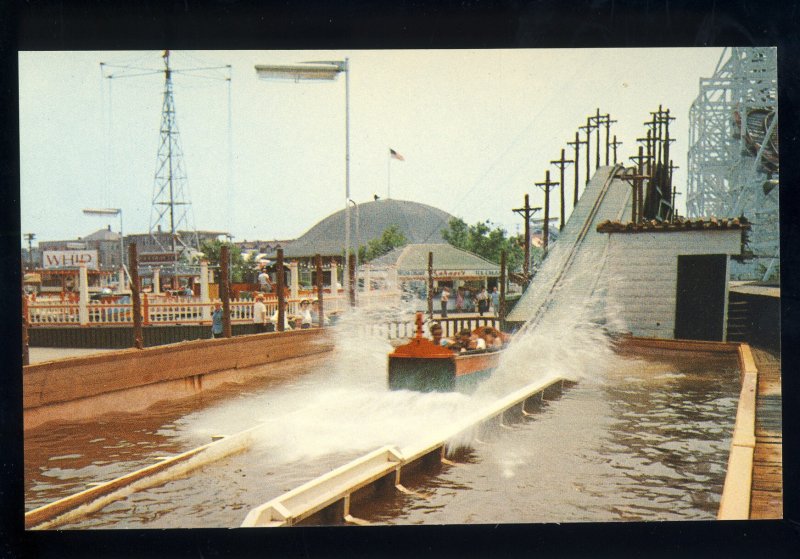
(157, 257)
(442, 274)
(55, 259)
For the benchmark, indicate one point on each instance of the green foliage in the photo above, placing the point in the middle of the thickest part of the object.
(486, 242)
(391, 238)
(212, 250)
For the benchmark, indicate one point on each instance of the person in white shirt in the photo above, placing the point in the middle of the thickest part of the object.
(305, 314)
(260, 314)
(286, 325)
(263, 282)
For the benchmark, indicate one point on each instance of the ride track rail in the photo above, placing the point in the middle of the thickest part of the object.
(575, 248)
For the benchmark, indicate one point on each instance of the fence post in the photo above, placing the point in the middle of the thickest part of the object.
(156, 281)
(133, 263)
(145, 309)
(280, 276)
(121, 280)
(83, 294)
(205, 312)
(224, 288)
(334, 277)
(320, 307)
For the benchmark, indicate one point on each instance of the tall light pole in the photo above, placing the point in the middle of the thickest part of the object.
(355, 253)
(114, 212)
(323, 70)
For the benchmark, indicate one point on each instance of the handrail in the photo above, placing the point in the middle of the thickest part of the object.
(164, 310)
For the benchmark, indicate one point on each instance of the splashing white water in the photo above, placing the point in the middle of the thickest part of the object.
(346, 406)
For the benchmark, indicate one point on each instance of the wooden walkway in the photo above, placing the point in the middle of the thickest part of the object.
(766, 497)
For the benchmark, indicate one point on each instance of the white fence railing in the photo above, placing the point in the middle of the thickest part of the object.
(172, 311)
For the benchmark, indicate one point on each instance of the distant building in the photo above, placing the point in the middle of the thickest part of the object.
(419, 223)
(147, 243)
(104, 241)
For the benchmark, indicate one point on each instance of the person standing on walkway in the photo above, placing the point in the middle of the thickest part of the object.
(216, 321)
(260, 314)
(460, 299)
(495, 308)
(445, 299)
(483, 301)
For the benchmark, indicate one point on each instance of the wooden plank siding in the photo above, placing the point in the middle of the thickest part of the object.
(766, 499)
(121, 337)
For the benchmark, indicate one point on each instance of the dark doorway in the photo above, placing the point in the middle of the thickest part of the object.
(700, 304)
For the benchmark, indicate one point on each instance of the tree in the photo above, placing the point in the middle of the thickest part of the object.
(484, 241)
(212, 249)
(391, 238)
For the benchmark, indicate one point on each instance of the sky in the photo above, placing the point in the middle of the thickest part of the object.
(266, 159)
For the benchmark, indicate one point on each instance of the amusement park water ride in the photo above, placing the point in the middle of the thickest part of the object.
(424, 366)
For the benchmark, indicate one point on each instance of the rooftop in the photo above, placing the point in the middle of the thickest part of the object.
(680, 224)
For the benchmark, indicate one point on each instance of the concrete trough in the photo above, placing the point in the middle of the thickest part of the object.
(327, 499)
(98, 495)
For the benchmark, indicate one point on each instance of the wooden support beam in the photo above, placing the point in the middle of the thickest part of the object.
(133, 267)
(280, 277)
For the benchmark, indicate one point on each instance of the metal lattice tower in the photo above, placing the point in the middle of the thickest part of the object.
(733, 167)
(171, 209)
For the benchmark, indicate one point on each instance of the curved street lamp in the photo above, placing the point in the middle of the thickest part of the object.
(321, 70)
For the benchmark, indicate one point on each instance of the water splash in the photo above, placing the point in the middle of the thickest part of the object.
(346, 406)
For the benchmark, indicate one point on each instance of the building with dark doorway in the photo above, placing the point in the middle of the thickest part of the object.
(670, 280)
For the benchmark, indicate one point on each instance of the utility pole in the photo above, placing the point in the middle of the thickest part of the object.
(614, 145)
(588, 128)
(30, 237)
(649, 141)
(546, 186)
(596, 119)
(577, 143)
(561, 163)
(527, 212)
(607, 122)
(636, 181)
(673, 191)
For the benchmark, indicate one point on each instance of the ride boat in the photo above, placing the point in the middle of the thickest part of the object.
(424, 366)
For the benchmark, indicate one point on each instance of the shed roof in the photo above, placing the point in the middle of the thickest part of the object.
(680, 224)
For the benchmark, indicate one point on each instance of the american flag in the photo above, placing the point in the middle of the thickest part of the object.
(394, 155)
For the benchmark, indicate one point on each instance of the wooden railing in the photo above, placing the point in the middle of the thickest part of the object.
(163, 310)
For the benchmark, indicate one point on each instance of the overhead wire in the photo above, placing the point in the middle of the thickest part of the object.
(514, 142)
